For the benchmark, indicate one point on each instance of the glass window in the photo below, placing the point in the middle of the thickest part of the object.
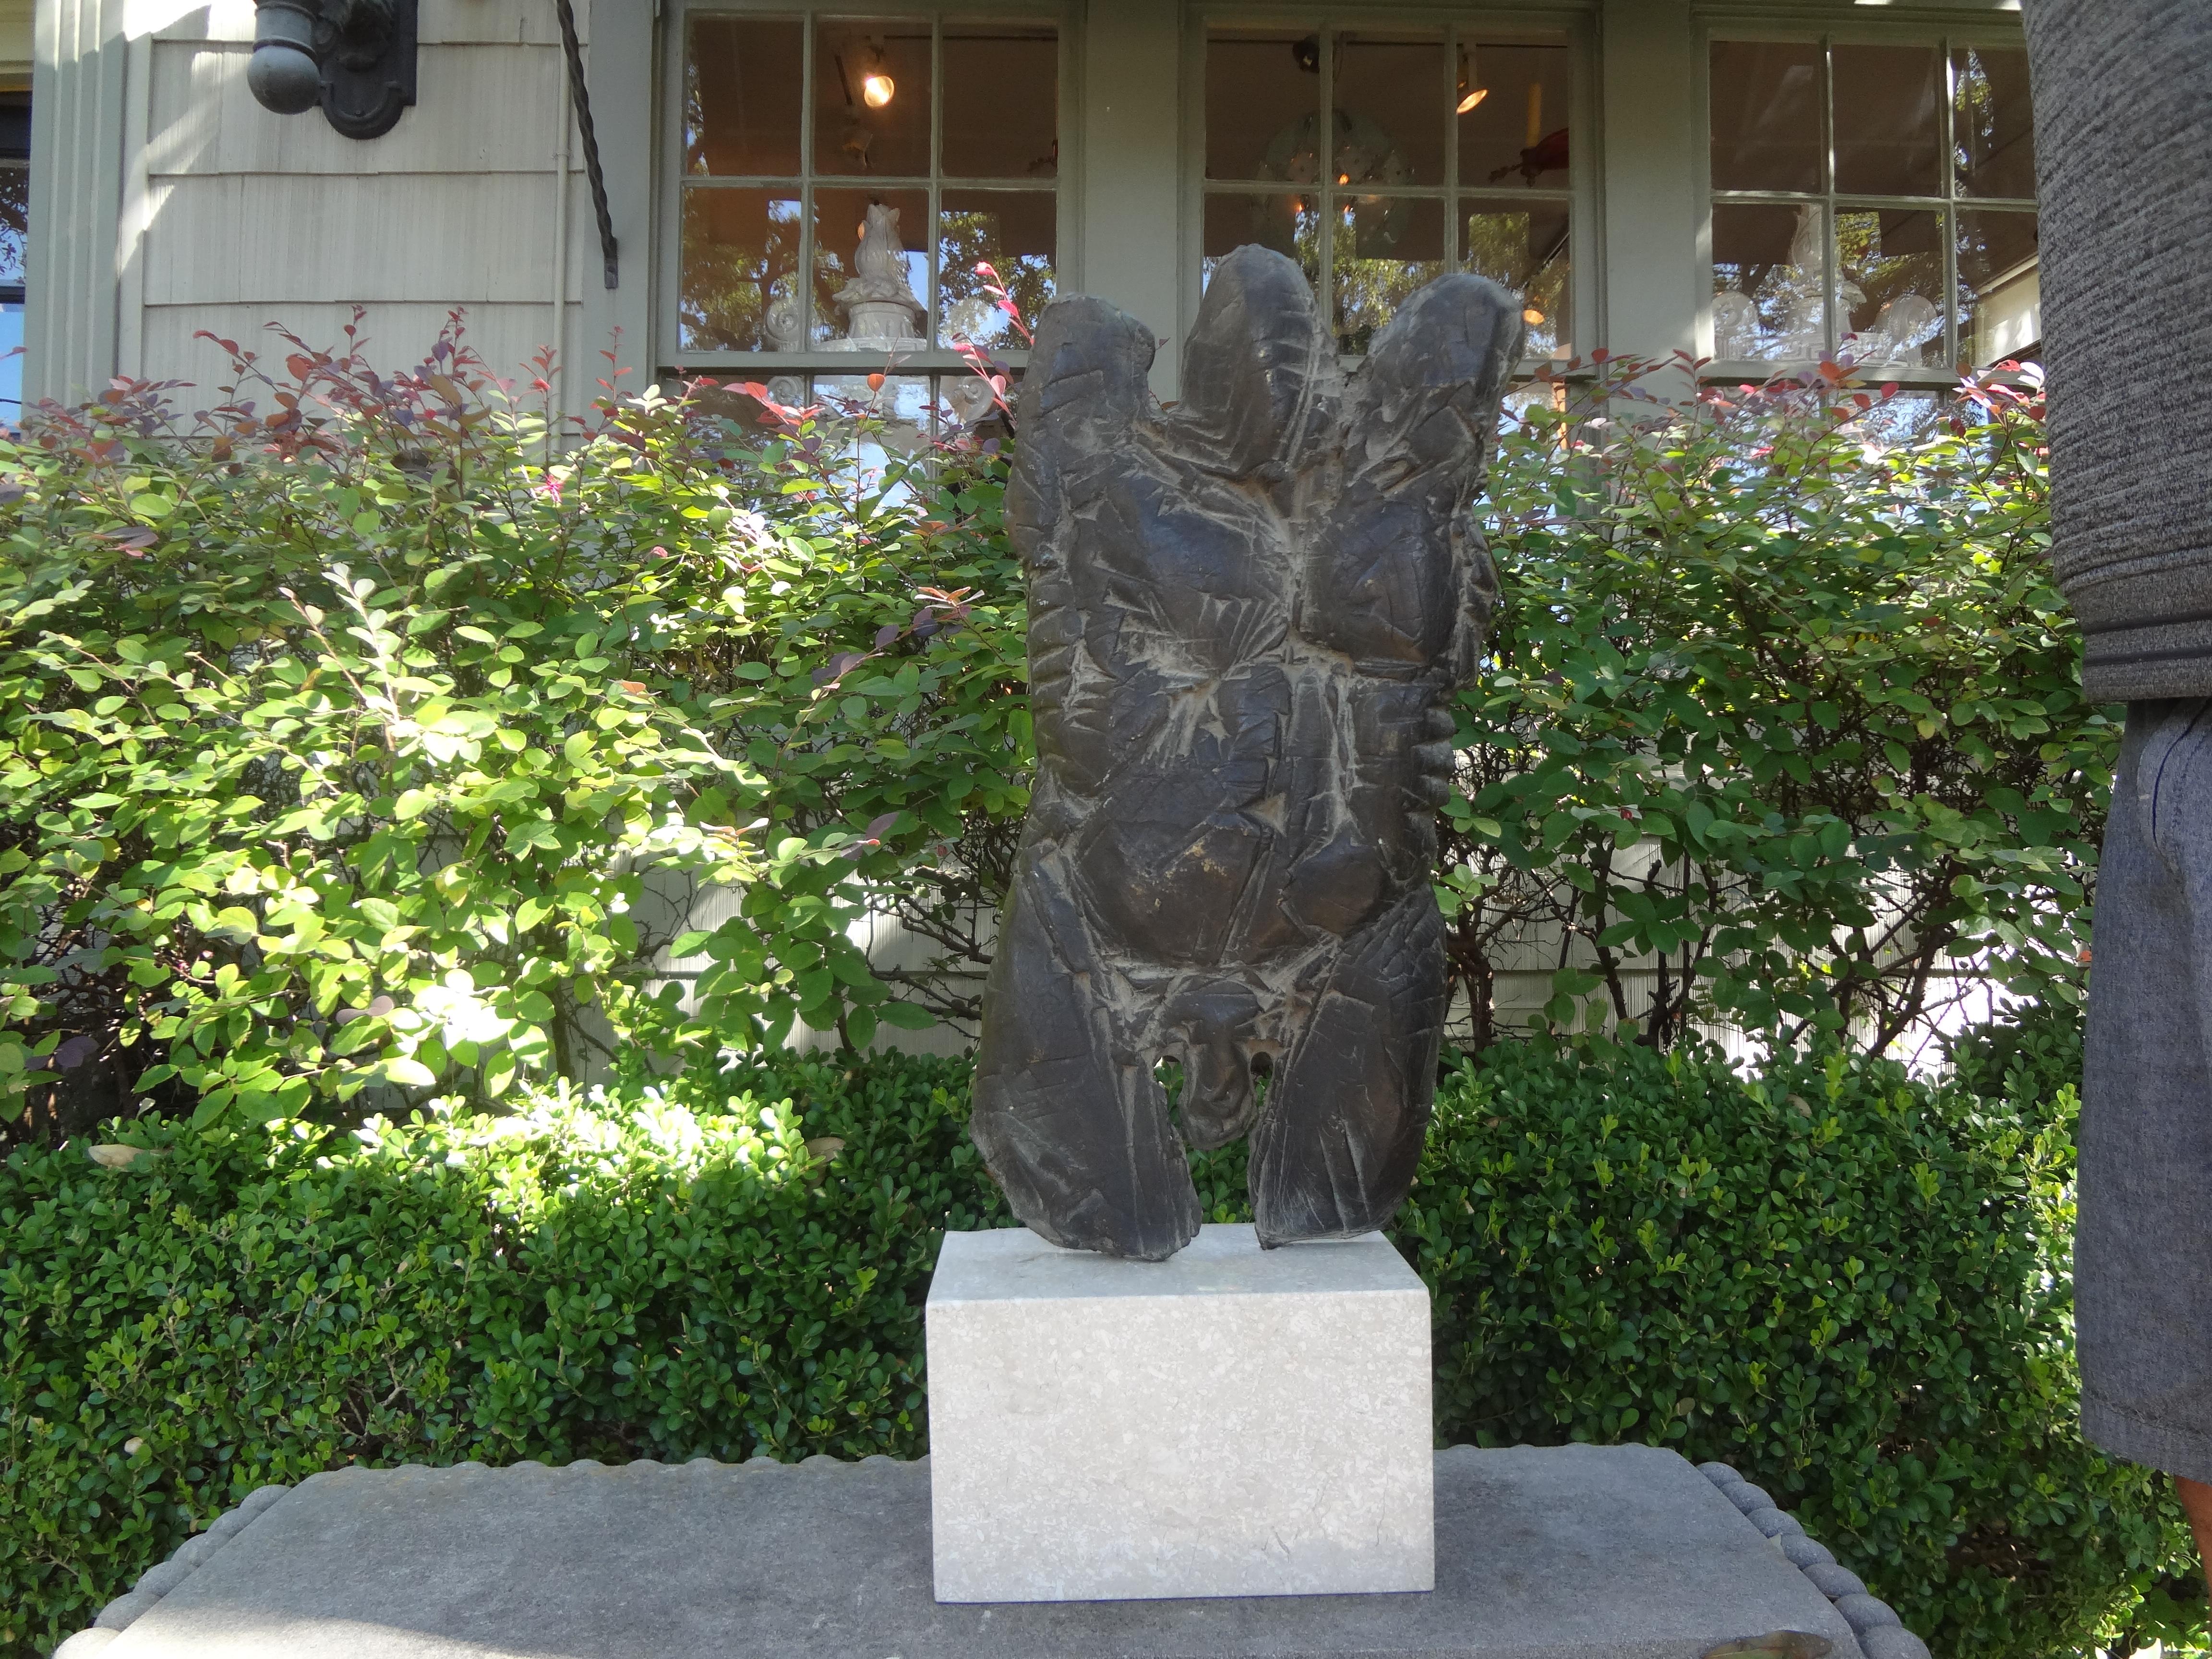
(15, 227)
(843, 177)
(1443, 149)
(1766, 116)
(1841, 173)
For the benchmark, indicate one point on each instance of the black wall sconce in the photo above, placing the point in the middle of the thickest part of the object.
(355, 58)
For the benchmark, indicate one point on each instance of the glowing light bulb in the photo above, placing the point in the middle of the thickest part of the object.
(1474, 96)
(1533, 316)
(877, 89)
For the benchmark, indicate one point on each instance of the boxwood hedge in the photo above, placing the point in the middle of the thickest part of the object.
(1851, 1285)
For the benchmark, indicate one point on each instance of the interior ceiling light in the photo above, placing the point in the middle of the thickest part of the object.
(1470, 93)
(876, 86)
(1533, 316)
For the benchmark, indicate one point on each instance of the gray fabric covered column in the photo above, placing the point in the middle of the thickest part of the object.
(2122, 94)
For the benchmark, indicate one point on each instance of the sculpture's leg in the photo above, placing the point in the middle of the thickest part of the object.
(1339, 1138)
(1068, 1112)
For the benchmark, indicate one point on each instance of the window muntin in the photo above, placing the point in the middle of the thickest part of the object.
(1842, 174)
(1413, 186)
(833, 231)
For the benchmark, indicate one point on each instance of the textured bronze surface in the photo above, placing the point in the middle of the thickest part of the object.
(1248, 615)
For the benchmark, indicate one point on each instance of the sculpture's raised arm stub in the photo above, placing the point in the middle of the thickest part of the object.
(1451, 347)
(1255, 364)
(1087, 383)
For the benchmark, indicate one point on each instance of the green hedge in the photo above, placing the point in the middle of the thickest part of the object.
(1850, 1286)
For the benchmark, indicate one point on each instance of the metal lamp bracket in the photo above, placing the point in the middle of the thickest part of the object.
(355, 59)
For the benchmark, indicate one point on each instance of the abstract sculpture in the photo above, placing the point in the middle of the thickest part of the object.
(1247, 616)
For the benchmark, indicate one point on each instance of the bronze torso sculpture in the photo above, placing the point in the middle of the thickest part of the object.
(1248, 616)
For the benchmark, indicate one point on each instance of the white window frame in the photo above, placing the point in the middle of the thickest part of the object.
(669, 352)
(1946, 37)
(1571, 24)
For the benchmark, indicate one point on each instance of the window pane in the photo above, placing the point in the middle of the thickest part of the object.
(1525, 248)
(1390, 109)
(898, 408)
(1517, 133)
(1263, 105)
(1767, 282)
(1384, 251)
(872, 97)
(741, 82)
(1765, 116)
(1889, 272)
(1001, 101)
(1992, 124)
(1288, 224)
(1888, 138)
(2000, 299)
(738, 288)
(871, 288)
(1012, 231)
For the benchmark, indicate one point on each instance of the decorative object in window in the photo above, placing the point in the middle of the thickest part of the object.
(881, 312)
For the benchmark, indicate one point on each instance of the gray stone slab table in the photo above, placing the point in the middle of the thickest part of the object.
(1564, 1552)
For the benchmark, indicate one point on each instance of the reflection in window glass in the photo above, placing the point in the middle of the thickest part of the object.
(872, 97)
(1012, 231)
(1769, 272)
(1001, 101)
(899, 409)
(1524, 247)
(1384, 251)
(742, 78)
(2000, 299)
(1396, 82)
(1893, 226)
(1516, 133)
(870, 269)
(1765, 116)
(1889, 276)
(1263, 96)
(1888, 133)
(1430, 129)
(1992, 129)
(837, 251)
(739, 290)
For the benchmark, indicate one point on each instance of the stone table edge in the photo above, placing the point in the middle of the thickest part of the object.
(1881, 1634)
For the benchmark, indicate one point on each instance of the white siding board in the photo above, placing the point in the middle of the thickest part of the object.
(464, 238)
(481, 109)
(439, 23)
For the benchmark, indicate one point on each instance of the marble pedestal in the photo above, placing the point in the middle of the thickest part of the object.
(1229, 1422)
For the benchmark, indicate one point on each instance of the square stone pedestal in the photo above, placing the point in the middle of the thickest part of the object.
(1232, 1421)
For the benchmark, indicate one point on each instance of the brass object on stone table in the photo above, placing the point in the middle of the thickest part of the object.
(1248, 616)
(1775, 1644)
